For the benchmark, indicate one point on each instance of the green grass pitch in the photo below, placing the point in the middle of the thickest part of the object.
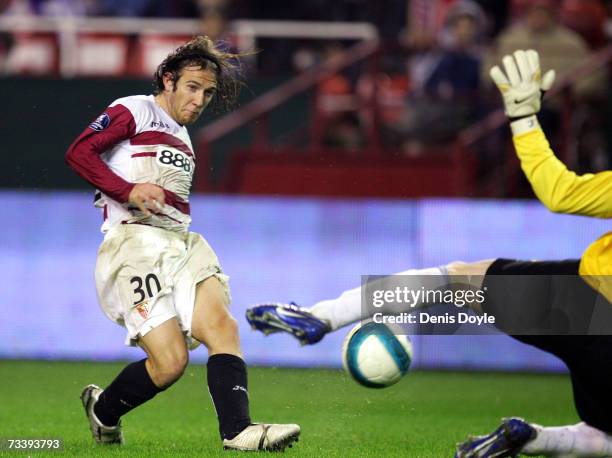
(422, 416)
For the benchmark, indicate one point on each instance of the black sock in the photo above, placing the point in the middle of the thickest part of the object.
(132, 387)
(227, 383)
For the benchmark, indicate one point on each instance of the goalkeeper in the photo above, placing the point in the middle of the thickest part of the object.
(586, 356)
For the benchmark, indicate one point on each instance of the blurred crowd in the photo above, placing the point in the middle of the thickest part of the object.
(447, 48)
(432, 79)
(110, 8)
(450, 76)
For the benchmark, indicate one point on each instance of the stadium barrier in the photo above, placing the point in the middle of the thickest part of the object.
(274, 249)
(305, 166)
(72, 46)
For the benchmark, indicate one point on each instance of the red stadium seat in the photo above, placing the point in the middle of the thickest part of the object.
(33, 54)
(392, 92)
(151, 49)
(102, 55)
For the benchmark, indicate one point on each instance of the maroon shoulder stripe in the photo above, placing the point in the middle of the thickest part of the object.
(153, 137)
(151, 154)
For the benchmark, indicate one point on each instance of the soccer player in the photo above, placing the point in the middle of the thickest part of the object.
(586, 356)
(162, 283)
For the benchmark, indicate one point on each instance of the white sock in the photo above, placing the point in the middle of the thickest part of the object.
(346, 309)
(579, 440)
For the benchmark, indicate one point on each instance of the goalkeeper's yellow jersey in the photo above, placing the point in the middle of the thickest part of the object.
(563, 191)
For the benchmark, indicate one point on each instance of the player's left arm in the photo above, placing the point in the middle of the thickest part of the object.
(561, 190)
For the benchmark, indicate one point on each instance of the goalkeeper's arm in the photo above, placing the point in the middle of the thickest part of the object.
(559, 189)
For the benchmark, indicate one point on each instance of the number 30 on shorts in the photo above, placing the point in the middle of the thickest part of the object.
(149, 282)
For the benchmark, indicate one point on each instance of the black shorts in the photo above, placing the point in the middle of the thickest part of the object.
(588, 357)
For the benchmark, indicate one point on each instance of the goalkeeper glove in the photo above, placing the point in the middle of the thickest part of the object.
(522, 85)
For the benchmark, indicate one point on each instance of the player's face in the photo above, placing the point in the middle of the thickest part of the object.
(189, 95)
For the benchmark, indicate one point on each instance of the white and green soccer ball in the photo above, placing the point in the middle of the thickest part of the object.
(375, 355)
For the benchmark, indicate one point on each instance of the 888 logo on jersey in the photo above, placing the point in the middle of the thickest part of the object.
(170, 157)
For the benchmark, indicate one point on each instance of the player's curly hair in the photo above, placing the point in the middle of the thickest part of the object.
(201, 51)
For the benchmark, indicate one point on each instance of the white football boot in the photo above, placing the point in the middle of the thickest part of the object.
(101, 434)
(261, 436)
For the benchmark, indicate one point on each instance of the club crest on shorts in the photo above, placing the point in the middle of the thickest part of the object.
(101, 122)
(142, 309)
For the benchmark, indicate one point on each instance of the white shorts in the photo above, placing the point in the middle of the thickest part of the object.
(146, 275)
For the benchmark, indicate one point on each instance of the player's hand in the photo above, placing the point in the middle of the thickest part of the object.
(522, 84)
(147, 196)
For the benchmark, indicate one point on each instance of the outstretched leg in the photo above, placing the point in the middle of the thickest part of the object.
(309, 325)
(507, 440)
(213, 325)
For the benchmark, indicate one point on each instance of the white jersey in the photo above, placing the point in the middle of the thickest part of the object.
(148, 266)
(140, 143)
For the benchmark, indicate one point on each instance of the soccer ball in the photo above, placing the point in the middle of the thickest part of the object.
(375, 356)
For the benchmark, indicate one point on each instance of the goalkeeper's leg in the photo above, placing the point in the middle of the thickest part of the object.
(572, 440)
(309, 325)
(347, 309)
(515, 436)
